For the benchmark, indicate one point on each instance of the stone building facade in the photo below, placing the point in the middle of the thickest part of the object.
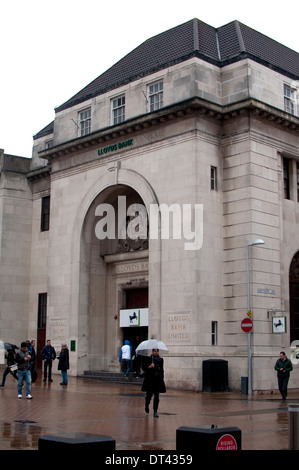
(194, 137)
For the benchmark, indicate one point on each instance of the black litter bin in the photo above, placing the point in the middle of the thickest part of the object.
(215, 375)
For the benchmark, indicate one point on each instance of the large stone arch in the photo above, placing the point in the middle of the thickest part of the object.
(100, 190)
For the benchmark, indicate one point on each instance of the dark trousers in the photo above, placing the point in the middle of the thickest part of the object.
(6, 372)
(148, 398)
(283, 386)
(126, 366)
(48, 366)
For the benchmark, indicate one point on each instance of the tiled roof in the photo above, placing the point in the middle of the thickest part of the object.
(221, 46)
(49, 129)
(258, 47)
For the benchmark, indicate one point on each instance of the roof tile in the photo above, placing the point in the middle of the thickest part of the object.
(231, 42)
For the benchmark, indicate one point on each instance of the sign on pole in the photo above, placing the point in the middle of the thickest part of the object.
(246, 325)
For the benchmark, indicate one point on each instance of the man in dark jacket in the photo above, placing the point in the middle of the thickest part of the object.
(283, 367)
(23, 359)
(153, 383)
(48, 355)
(64, 363)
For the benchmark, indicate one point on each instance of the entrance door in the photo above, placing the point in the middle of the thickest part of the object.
(137, 298)
(41, 328)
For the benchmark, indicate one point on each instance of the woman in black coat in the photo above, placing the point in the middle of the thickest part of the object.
(63, 364)
(154, 380)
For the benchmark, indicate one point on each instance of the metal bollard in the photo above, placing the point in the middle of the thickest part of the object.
(293, 426)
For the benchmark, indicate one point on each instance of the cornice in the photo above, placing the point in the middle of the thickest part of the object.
(195, 107)
(40, 172)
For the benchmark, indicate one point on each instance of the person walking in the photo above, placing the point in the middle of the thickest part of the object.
(31, 349)
(283, 367)
(23, 359)
(153, 383)
(63, 363)
(125, 354)
(136, 359)
(48, 355)
(11, 366)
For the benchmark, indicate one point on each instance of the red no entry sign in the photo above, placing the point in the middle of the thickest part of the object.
(246, 325)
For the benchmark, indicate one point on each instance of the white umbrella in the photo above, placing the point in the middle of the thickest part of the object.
(146, 347)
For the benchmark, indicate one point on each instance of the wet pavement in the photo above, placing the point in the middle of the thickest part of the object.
(117, 410)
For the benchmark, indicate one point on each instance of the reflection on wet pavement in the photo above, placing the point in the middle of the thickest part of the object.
(117, 410)
(19, 436)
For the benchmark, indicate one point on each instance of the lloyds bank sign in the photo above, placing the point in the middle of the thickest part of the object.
(115, 147)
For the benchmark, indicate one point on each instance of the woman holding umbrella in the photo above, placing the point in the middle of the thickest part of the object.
(153, 384)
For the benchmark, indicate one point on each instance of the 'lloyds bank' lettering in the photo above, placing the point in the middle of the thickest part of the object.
(113, 148)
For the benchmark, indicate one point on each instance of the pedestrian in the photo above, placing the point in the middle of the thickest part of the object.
(125, 354)
(48, 355)
(11, 367)
(283, 367)
(24, 375)
(153, 383)
(136, 358)
(63, 363)
(31, 349)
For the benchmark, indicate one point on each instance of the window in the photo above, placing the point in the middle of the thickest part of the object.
(297, 176)
(42, 311)
(213, 178)
(49, 144)
(214, 333)
(289, 99)
(155, 96)
(118, 110)
(286, 178)
(45, 214)
(84, 122)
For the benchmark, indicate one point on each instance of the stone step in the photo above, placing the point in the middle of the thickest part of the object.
(112, 377)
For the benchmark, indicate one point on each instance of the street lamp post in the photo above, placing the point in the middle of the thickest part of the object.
(258, 241)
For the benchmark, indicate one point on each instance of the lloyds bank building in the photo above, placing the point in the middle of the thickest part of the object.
(163, 202)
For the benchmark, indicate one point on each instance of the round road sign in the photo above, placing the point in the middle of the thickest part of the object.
(246, 325)
(227, 442)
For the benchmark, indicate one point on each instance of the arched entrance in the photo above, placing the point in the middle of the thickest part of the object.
(294, 298)
(113, 272)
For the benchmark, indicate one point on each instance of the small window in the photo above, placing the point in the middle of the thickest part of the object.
(45, 214)
(289, 99)
(42, 311)
(84, 122)
(49, 144)
(155, 96)
(118, 110)
(286, 178)
(214, 333)
(213, 178)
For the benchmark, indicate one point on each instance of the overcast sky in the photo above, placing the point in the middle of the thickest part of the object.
(51, 50)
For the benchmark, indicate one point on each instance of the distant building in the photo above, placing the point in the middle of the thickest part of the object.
(143, 197)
